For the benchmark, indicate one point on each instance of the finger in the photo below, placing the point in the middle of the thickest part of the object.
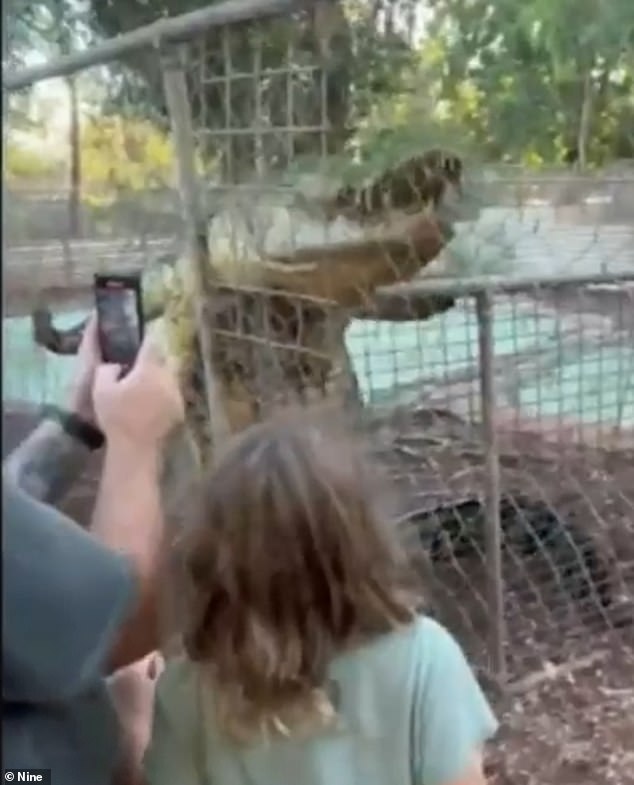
(91, 326)
(89, 349)
(156, 666)
(150, 352)
(88, 335)
(107, 375)
(90, 330)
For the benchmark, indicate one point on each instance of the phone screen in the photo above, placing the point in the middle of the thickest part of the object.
(119, 319)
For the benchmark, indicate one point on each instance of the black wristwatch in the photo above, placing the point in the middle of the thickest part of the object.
(75, 426)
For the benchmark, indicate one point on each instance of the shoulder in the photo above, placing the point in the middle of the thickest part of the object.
(35, 523)
(416, 645)
(432, 640)
(439, 660)
(40, 541)
(60, 585)
(423, 641)
(451, 717)
(412, 653)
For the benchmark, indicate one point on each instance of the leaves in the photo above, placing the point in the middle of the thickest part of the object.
(538, 82)
(122, 155)
(536, 67)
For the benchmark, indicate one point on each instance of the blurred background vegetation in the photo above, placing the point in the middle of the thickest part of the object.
(537, 83)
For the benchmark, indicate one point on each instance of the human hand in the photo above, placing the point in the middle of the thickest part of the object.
(132, 690)
(88, 360)
(142, 407)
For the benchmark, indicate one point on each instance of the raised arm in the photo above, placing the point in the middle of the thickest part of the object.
(136, 414)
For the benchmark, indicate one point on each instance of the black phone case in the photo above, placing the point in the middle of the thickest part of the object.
(129, 282)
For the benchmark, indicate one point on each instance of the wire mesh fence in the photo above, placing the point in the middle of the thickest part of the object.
(502, 406)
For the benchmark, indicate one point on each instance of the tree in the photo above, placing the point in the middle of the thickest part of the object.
(21, 21)
(362, 52)
(54, 26)
(21, 33)
(120, 154)
(541, 80)
(24, 164)
(63, 30)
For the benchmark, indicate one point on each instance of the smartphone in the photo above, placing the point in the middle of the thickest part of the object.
(119, 317)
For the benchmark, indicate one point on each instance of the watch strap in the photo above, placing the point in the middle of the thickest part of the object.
(75, 426)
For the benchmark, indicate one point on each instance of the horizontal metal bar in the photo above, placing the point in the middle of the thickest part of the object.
(235, 76)
(30, 263)
(260, 130)
(153, 35)
(529, 178)
(496, 284)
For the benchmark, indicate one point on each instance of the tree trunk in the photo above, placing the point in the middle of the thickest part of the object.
(585, 122)
(74, 142)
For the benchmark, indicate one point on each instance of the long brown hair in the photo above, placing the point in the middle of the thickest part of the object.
(291, 561)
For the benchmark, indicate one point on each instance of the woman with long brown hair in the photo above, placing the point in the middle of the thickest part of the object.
(308, 660)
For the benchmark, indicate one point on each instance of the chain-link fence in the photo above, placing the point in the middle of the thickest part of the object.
(487, 352)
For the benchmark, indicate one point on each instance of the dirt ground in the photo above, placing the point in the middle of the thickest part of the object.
(573, 728)
(567, 714)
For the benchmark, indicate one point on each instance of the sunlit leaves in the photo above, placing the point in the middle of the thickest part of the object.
(538, 68)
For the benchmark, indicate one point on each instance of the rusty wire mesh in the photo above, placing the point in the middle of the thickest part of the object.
(563, 374)
(290, 325)
(56, 232)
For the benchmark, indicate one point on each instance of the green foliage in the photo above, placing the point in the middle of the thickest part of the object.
(24, 164)
(49, 26)
(395, 129)
(119, 155)
(19, 112)
(548, 81)
(21, 20)
(538, 82)
(363, 63)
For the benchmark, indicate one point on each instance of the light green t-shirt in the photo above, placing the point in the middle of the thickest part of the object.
(412, 713)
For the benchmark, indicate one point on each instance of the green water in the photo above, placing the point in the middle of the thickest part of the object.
(390, 356)
(28, 372)
(392, 359)
(598, 387)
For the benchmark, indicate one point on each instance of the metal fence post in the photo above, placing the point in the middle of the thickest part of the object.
(173, 62)
(495, 584)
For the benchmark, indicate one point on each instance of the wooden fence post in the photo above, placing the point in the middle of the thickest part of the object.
(495, 582)
(173, 62)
